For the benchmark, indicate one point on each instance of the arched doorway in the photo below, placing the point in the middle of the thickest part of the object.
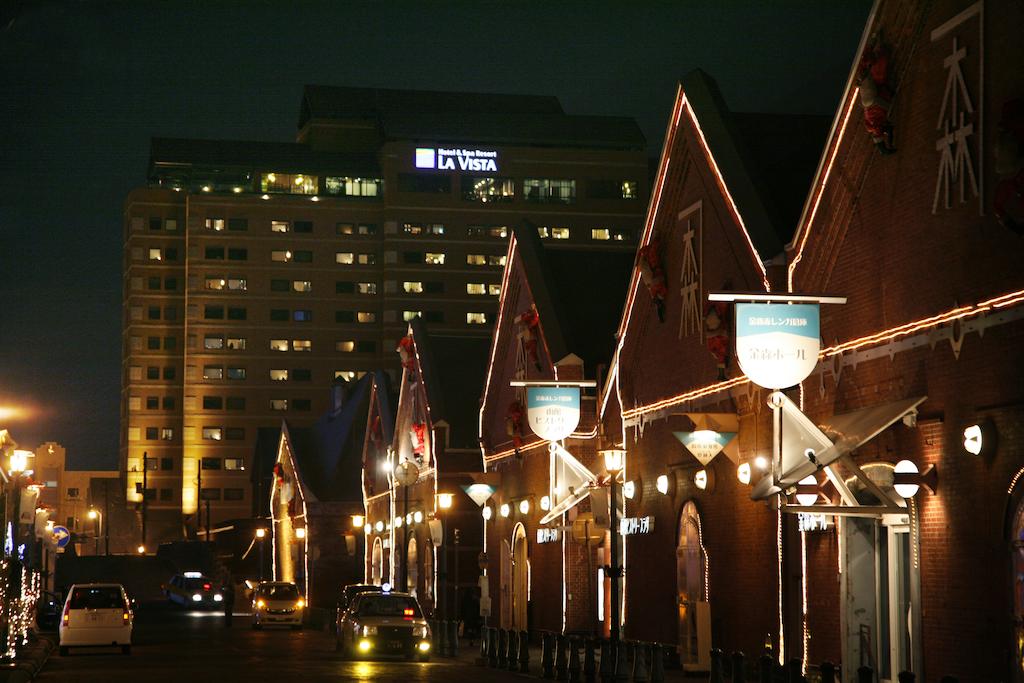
(520, 578)
(411, 568)
(377, 562)
(692, 592)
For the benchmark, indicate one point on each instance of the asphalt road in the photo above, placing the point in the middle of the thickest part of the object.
(193, 647)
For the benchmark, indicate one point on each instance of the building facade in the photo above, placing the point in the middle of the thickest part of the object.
(255, 273)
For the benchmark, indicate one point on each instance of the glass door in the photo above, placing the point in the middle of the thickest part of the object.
(895, 609)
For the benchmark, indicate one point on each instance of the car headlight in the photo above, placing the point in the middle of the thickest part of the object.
(421, 631)
(260, 604)
(196, 597)
(369, 630)
(300, 604)
(217, 597)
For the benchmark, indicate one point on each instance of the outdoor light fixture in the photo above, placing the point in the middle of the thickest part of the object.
(662, 484)
(487, 512)
(398, 522)
(743, 473)
(141, 549)
(614, 460)
(524, 506)
(445, 500)
(505, 510)
(367, 529)
(629, 489)
(379, 526)
(387, 466)
(408, 518)
(18, 461)
(907, 479)
(93, 514)
(545, 503)
(417, 516)
(761, 463)
(261, 532)
(357, 521)
(980, 438)
(700, 479)
(807, 490)
(266, 196)
(300, 532)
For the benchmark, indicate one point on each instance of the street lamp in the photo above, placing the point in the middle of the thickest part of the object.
(614, 461)
(97, 517)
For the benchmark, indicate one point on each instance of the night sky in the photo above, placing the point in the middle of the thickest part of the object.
(84, 85)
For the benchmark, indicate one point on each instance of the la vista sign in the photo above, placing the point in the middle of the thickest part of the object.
(449, 159)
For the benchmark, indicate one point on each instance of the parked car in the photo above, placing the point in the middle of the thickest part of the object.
(277, 603)
(193, 590)
(96, 615)
(48, 608)
(347, 593)
(383, 624)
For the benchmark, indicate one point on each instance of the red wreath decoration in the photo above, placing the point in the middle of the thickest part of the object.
(528, 324)
(716, 333)
(876, 94)
(279, 473)
(418, 436)
(514, 424)
(653, 275)
(407, 352)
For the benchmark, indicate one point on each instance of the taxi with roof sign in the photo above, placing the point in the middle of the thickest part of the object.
(383, 624)
(193, 590)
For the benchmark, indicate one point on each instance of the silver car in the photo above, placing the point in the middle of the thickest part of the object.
(383, 624)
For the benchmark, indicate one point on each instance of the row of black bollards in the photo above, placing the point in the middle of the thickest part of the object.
(504, 649)
(445, 636)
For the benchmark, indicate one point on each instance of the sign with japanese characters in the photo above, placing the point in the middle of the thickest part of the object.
(812, 522)
(548, 535)
(631, 526)
(705, 444)
(777, 344)
(553, 412)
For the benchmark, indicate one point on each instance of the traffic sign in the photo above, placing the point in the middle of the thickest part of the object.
(62, 535)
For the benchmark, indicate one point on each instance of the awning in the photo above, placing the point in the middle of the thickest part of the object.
(805, 448)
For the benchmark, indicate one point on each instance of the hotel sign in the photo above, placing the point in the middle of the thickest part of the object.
(449, 159)
(777, 345)
(553, 412)
(631, 526)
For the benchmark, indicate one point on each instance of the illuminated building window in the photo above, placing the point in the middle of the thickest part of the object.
(367, 287)
(345, 228)
(560, 233)
(279, 375)
(476, 259)
(366, 317)
(281, 256)
(236, 343)
(234, 464)
(216, 224)
(213, 372)
(289, 183)
(434, 258)
(477, 189)
(345, 346)
(237, 284)
(543, 232)
(302, 286)
(476, 318)
(302, 315)
(279, 404)
(413, 287)
(367, 259)
(278, 344)
(280, 226)
(493, 260)
(612, 189)
(302, 345)
(166, 434)
(476, 288)
(213, 433)
(155, 254)
(347, 186)
(213, 342)
(494, 290)
(345, 257)
(548, 190)
(600, 234)
(435, 229)
(347, 375)
(409, 315)
(495, 231)
(630, 189)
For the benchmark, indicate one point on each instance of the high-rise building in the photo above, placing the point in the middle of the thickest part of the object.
(256, 273)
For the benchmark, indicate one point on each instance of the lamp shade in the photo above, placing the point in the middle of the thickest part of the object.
(907, 490)
(804, 495)
(614, 459)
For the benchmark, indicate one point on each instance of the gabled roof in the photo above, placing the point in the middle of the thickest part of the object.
(328, 456)
(453, 371)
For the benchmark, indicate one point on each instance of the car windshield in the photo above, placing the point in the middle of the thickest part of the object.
(279, 592)
(97, 597)
(388, 606)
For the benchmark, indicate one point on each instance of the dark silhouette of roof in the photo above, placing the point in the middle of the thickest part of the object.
(284, 157)
(329, 455)
(453, 375)
(579, 296)
(767, 160)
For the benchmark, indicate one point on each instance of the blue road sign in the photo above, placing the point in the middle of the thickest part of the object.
(62, 535)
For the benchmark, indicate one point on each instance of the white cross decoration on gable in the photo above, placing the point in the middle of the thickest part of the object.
(689, 272)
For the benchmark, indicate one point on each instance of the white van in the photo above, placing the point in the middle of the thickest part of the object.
(96, 615)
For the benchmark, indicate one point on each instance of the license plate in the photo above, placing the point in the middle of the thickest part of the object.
(395, 644)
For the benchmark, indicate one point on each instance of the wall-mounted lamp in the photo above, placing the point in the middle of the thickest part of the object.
(743, 473)
(300, 532)
(417, 516)
(505, 510)
(487, 512)
(524, 506)
(980, 438)
(357, 521)
(367, 529)
(662, 484)
(907, 480)
(629, 489)
(398, 522)
(700, 479)
(807, 490)
(761, 463)
(261, 532)
(379, 526)
(545, 503)
(445, 500)
(387, 466)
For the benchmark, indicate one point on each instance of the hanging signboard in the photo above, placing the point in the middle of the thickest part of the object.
(777, 345)
(705, 444)
(553, 412)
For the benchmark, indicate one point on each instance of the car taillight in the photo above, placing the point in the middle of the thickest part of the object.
(206, 586)
(67, 613)
(124, 616)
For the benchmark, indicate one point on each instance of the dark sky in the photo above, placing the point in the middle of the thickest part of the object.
(84, 85)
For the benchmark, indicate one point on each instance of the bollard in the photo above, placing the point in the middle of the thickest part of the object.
(589, 660)
(906, 677)
(621, 664)
(524, 652)
(453, 638)
(640, 664)
(502, 648)
(865, 675)
(441, 646)
(482, 659)
(739, 673)
(828, 672)
(764, 668)
(949, 679)
(512, 655)
(717, 675)
(575, 670)
(492, 647)
(547, 656)
(607, 670)
(561, 661)
(657, 664)
(794, 671)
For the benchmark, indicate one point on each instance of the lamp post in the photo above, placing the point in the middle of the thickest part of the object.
(261, 534)
(614, 460)
(444, 503)
(405, 474)
(145, 482)
(97, 517)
